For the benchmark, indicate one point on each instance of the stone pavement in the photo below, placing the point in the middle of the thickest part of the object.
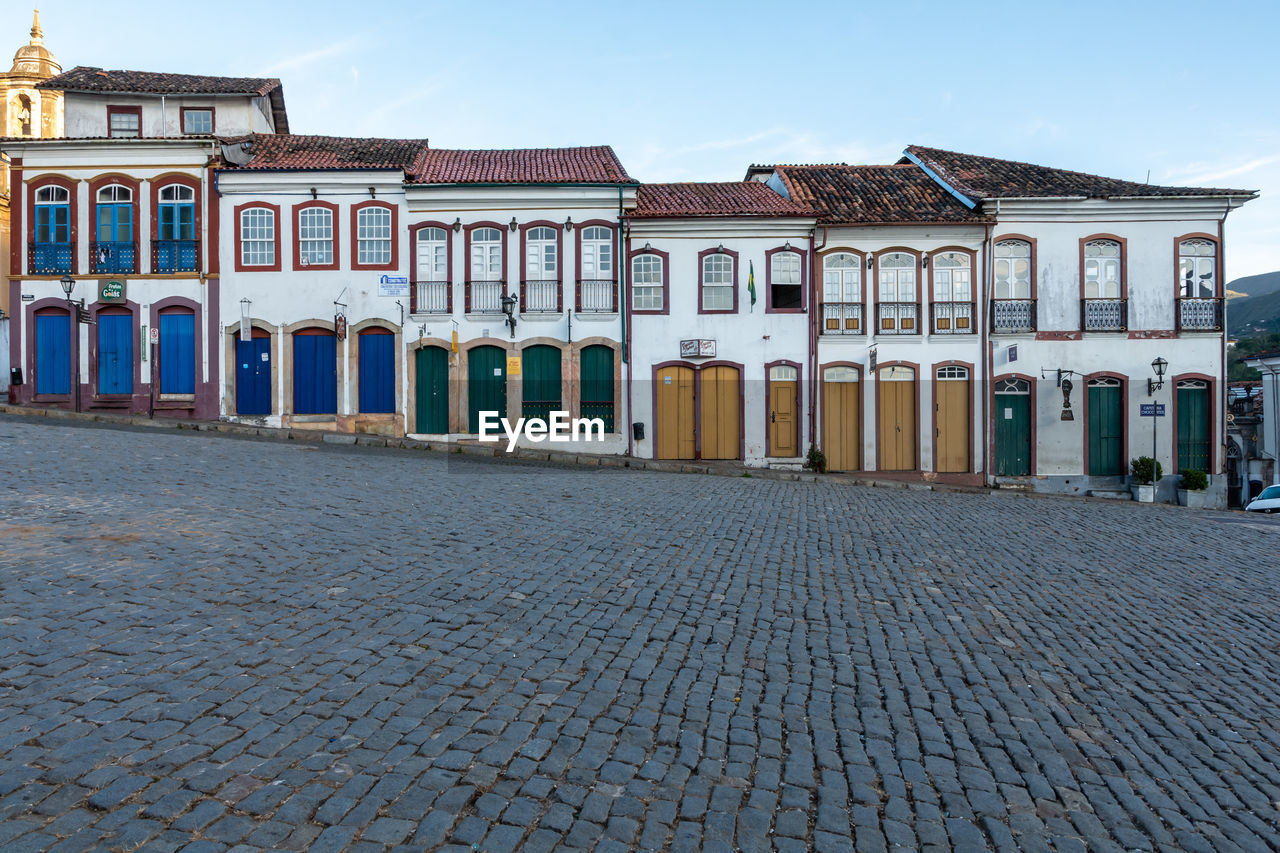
(210, 644)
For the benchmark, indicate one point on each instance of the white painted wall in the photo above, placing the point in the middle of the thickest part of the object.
(86, 114)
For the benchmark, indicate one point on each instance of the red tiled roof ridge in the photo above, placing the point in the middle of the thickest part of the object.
(876, 194)
(714, 198)
(580, 164)
(152, 81)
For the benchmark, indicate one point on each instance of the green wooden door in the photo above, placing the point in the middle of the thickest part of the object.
(1106, 431)
(1193, 427)
(432, 391)
(486, 384)
(1013, 434)
(540, 381)
(597, 384)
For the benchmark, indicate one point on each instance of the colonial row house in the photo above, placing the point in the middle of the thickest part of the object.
(113, 259)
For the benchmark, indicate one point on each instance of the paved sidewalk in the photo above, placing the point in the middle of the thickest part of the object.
(211, 645)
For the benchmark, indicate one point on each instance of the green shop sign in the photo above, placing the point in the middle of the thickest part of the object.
(111, 290)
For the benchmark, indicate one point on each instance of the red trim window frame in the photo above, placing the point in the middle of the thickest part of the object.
(733, 282)
(72, 187)
(1218, 286)
(467, 231)
(415, 273)
(297, 236)
(666, 280)
(182, 120)
(355, 235)
(768, 280)
(558, 230)
(168, 179)
(122, 110)
(240, 210)
(133, 186)
(615, 258)
(1124, 264)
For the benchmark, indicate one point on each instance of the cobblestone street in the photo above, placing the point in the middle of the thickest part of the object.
(212, 643)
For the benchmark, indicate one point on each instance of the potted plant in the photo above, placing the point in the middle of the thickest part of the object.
(1192, 491)
(1144, 471)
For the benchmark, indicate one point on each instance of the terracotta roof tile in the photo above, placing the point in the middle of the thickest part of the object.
(733, 198)
(596, 164)
(874, 194)
(85, 78)
(987, 177)
(285, 151)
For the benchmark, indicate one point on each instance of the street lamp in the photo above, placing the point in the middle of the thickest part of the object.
(1154, 385)
(73, 331)
(509, 308)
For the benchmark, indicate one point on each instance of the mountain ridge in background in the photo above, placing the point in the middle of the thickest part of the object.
(1259, 310)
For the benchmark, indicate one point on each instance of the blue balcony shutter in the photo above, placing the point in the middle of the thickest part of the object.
(377, 372)
(177, 353)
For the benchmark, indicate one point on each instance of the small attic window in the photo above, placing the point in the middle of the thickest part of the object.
(197, 120)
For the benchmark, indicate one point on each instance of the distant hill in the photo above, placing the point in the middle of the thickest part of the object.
(1257, 285)
(1259, 311)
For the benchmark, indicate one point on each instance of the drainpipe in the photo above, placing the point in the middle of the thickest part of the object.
(1220, 420)
(624, 311)
(164, 122)
(988, 369)
(814, 320)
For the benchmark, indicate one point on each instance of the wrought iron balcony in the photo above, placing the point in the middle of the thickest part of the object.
(1200, 314)
(50, 258)
(842, 318)
(112, 257)
(170, 256)
(897, 318)
(1104, 315)
(540, 297)
(431, 297)
(597, 297)
(1011, 316)
(485, 297)
(953, 318)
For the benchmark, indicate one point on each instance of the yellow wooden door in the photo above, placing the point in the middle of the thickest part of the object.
(721, 408)
(841, 418)
(897, 436)
(673, 418)
(952, 410)
(784, 387)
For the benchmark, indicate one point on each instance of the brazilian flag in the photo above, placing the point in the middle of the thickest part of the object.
(751, 282)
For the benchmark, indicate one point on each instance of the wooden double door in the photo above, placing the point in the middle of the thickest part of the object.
(698, 412)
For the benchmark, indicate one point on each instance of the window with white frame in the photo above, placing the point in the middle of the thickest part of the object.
(541, 263)
(373, 236)
(257, 237)
(486, 254)
(897, 277)
(597, 253)
(951, 281)
(841, 278)
(124, 121)
(315, 236)
(1102, 269)
(717, 282)
(1013, 269)
(433, 254)
(785, 280)
(646, 283)
(1197, 269)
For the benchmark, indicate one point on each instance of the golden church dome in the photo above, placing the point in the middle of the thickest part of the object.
(34, 59)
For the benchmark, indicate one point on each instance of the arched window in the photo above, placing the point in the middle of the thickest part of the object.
(486, 254)
(1197, 269)
(646, 283)
(541, 261)
(257, 237)
(1013, 269)
(315, 236)
(24, 114)
(114, 193)
(786, 279)
(53, 252)
(717, 281)
(373, 236)
(897, 302)
(1102, 269)
(176, 249)
(432, 288)
(53, 195)
(841, 294)
(112, 251)
(952, 294)
(597, 253)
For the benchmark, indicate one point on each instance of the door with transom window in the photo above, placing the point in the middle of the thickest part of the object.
(842, 418)
(1106, 427)
(1013, 428)
(952, 431)
(1194, 419)
(897, 429)
(784, 415)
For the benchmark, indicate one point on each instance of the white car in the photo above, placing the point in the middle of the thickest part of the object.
(1268, 501)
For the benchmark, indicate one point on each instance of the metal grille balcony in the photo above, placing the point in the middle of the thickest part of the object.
(170, 256)
(485, 297)
(842, 318)
(1104, 315)
(431, 297)
(953, 318)
(113, 257)
(1010, 316)
(898, 318)
(540, 297)
(597, 297)
(50, 258)
(1199, 314)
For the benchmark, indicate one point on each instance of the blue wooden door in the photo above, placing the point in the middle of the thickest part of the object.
(253, 376)
(377, 371)
(177, 353)
(53, 354)
(115, 353)
(315, 374)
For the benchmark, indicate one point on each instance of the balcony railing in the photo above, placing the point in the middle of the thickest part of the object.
(897, 318)
(1104, 315)
(485, 297)
(431, 297)
(1199, 314)
(953, 318)
(1010, 316)
(540, 297)
(113, 257)
(842, 318)
(170, 256)
(597, 297)
(50, 258)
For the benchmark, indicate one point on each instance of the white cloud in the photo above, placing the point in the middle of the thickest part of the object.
(1206, 174)
(302, 59)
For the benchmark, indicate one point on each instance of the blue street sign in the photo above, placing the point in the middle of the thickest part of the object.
(1151, 410)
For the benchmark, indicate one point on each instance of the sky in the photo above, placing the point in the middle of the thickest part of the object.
(1185, 92)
